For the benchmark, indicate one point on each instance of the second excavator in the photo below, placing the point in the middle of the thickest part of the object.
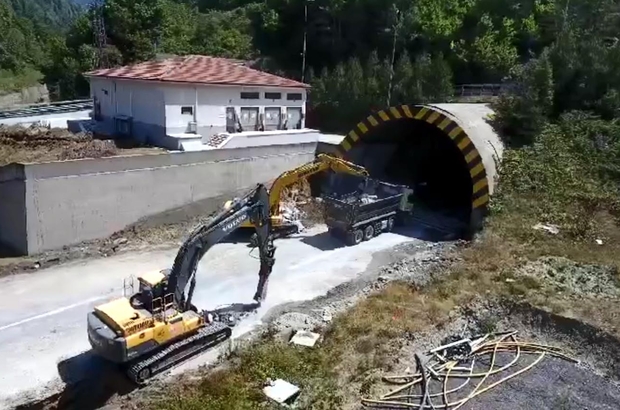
(322, 162)
(158, 327)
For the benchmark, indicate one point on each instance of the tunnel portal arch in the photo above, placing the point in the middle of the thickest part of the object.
(448, 125)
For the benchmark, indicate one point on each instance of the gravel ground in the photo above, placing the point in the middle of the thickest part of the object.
(577, 278)
(413, 262)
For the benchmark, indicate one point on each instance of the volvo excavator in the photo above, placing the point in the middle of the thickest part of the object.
(322, 162)
(158, 327)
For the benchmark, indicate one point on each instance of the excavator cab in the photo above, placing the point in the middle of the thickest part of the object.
(151, 291)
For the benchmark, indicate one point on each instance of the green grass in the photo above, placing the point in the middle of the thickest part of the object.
(13, 82)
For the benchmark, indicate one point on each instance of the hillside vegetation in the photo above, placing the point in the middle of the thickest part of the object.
(57, 14)
(435, 44)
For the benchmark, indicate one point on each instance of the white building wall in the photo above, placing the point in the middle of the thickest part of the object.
(101, 90)
(142, 101)
(210, 102)
(147, 104)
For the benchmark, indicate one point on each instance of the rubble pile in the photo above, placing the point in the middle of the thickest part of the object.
(299, 196)
(39, 143)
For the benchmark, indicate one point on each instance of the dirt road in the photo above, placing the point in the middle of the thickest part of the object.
(43, 321)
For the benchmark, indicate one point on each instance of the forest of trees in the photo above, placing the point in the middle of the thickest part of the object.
(564, 54)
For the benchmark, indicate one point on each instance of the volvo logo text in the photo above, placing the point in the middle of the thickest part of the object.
(234, 223)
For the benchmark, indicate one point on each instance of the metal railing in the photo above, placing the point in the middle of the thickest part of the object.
(481, 90)
(48, 108)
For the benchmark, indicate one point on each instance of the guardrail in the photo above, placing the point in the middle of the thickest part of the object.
(48, 108)
(481, 90)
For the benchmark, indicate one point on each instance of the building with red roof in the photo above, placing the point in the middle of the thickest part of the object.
(161, 101)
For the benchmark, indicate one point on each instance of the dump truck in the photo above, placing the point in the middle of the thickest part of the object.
(364, 213)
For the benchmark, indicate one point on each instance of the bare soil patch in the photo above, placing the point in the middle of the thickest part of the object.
(42, 144)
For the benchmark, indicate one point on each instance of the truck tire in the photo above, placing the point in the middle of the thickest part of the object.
(369, 232)
(355, 237)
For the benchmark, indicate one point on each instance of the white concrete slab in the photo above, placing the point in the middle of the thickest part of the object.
(53, 120)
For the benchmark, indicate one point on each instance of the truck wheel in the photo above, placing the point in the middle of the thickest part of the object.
(355, 237)
(369, 232)
(390, 224)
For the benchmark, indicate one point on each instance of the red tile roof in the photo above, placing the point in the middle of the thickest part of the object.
(197, 69)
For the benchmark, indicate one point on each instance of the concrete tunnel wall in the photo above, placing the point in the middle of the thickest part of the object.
(50, 205)
(465, 124)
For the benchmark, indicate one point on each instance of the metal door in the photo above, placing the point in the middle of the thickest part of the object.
(272, 118)
(293, 118)
(249, 118)
(231, 122)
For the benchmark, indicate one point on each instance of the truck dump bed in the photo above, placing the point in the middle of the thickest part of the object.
(351, 210)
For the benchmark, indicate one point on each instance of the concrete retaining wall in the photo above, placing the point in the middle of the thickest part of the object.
(50, 205)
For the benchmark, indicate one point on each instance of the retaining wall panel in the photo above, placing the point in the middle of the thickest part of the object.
(13, 233)
(69, 209)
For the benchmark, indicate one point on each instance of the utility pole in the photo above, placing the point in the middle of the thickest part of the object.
(99, 33)
(395, 27)
(303, 53)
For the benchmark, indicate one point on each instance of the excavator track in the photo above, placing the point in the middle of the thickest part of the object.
(207, 337)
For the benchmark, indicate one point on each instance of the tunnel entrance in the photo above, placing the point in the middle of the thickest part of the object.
(421, 156)
(426, 150)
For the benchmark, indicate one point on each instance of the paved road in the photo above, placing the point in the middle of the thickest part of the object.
(44, 314)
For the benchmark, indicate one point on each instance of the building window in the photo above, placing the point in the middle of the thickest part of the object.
(187, 110)
(293, 96)
(273, 96)
(249, 96)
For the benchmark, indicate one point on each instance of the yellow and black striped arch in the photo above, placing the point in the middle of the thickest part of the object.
(480, 192)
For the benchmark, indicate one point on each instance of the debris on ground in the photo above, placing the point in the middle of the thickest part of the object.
(305, 338)
(572, 277)
(38, 143)
(443, 373)
(292, 214)
(552, 229)
(281, 391)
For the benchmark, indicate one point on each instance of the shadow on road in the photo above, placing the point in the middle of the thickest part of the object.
(323, 241)
(90, 382)
(418, 230)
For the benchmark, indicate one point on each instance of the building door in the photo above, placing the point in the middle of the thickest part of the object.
(231, 122)
(293, 118)
(249, 118)
(272, 118)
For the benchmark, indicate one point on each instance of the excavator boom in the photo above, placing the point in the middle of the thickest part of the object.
(252, 207)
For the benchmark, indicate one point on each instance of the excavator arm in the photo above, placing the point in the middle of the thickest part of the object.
(321, 163)
(253, 206)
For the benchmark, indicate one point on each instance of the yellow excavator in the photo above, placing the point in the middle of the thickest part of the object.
(158, 327)
(322, 162)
